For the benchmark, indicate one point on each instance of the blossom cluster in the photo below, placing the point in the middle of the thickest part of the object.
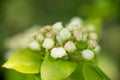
(62, 41)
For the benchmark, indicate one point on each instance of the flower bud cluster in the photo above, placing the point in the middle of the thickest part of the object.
(62, 41)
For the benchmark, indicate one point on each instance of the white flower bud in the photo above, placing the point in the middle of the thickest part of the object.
(93, 36)
(83, 30)
(48, 43)
(92, 44)
(42, 30)
(78, 35)
(48, 27)
(72, 27)
(59, 40)
(85, 37)
(70, 46)
(50, 34)
(76, 22)
(40, 37)
(58, 52)
(34, 46)
(57, 27)
(97, 49)
(91, 28)
(65, 34)
(87, 54)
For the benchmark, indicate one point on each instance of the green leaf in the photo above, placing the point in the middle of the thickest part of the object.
(52, 69)
(25, 61)
(14, 75)
(77, 74)
(91, 72)
(100, 72)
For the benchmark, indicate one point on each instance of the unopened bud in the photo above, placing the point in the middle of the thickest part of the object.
(42, 30)
(40, 37)
(92, 44)
(78, 35)
(48, 43)
(65, 34)
(58, 52)
(83, 30)
(48, 27)
(93, 36)
(85, 37)
(57, 27)
(72, 27)
(34, 46)
(76, 22)
(70, 46)
(59, 40)
(50, 34)
(87, 54)
(97, 49)
(91, 28)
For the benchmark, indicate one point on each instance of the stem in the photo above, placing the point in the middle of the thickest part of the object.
(37, 77)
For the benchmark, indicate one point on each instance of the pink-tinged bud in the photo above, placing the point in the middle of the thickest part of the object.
(70, 46)
(40, 37)
(48, 43)
(48, 27)
(65, 34)
(92, 44)
(72, 27)
(78, 35)
(93, 36)
(50, 34)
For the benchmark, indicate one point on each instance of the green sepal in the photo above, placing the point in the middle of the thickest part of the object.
(81, 45)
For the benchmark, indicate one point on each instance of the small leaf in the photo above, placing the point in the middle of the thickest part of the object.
(52, 69)
(91, 72)
(25, 61)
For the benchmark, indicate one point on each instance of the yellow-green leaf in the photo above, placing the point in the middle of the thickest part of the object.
(77, 74)
(91, 72)
(25, 61)
(56, 69)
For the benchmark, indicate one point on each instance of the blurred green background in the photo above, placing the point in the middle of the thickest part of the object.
(19, 15)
